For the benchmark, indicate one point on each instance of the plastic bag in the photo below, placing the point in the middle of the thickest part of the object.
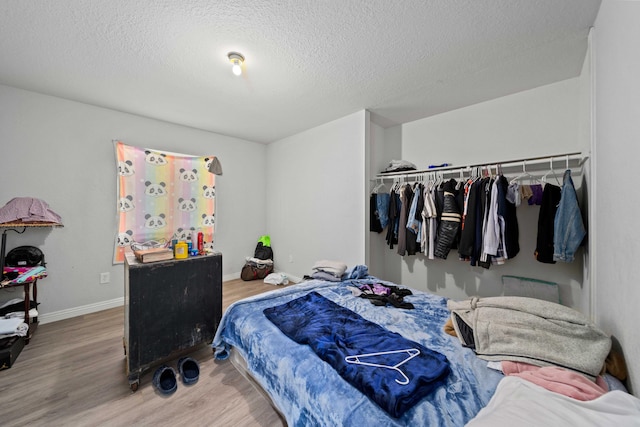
(276, 279)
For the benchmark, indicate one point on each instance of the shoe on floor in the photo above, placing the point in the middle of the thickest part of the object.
(164, 380)
(189, 370)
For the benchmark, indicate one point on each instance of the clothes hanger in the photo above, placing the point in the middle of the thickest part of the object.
(462, 181)
(411, 352)
(552, 172)
(402, 180)
(475, 174)
(378, 187)
(468, 181)
(524, 174)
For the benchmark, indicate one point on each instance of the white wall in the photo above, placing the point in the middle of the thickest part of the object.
(534, 123)
(386, 145)
(586, 137)
(617, 150)
(62, 152)
(316, 192)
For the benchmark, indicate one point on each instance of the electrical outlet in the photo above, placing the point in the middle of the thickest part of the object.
(290, 258)
(105, 278)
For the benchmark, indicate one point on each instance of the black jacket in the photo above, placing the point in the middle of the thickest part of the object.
(449, 222)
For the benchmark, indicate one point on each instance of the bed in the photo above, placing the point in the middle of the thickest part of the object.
(307, 390)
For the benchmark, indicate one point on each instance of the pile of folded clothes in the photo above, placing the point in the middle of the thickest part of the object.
(329, 270)
(399, 166)
(13, 326)
(15, 308)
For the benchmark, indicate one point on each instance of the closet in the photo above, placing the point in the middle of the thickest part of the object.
(442, 261)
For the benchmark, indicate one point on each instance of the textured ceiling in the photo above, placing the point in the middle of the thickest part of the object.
(307, 61)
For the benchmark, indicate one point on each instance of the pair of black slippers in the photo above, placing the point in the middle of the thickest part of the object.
(164, 379)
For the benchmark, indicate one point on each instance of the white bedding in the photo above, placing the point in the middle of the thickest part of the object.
(518, 402)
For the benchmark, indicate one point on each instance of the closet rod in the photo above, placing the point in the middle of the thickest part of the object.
(567, 158)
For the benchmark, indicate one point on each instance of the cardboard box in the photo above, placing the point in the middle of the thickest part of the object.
(10, 348)
(154, 254)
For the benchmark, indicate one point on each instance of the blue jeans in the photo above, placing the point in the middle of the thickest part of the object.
(382, 202)
(568, 227)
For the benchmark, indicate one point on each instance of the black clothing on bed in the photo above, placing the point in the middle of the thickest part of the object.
(392, 295)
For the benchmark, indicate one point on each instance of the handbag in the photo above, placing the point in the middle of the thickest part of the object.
(263, 252)
(255, 271)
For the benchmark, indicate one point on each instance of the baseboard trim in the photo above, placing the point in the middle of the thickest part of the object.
(116, 302)
(79, 311)
(232, 276)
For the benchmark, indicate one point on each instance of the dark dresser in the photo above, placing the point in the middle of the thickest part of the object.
(171, 307)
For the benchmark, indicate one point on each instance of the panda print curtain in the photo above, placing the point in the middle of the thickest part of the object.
(162, 196)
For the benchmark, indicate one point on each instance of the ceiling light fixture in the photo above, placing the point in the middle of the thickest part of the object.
(236, 59)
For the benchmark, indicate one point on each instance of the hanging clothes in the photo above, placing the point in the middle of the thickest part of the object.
(536, 194)
(544, 241)
(499, 225)
(513, 193)
(429, 215)
(449, 220)
(429, 220)
(492, 229)
(394, 215)
(378, 209)
(460, 197)
(414, 223)
(433, 220)
(477, 217)
(374, 216)
(406, 193)
(468, 225)
(507, 210)
(481, 221)
(382, 204)
(568, 226)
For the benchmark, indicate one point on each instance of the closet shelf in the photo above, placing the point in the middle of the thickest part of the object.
(531, 165)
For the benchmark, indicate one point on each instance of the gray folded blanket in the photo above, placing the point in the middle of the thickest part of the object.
(530, 330)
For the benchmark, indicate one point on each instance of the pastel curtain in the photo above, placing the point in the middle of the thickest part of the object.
(162, 196)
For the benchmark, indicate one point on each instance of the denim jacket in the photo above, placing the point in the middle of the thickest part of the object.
(569, 230)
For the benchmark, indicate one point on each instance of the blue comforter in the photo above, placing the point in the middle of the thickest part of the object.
(309, 392)
(394, 372)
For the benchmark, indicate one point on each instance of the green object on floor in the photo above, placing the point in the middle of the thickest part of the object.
(265, 240)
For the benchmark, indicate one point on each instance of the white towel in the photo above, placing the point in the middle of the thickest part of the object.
(21, 331)
(10, 326)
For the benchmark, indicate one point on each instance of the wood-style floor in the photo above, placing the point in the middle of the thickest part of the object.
(72, 373)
